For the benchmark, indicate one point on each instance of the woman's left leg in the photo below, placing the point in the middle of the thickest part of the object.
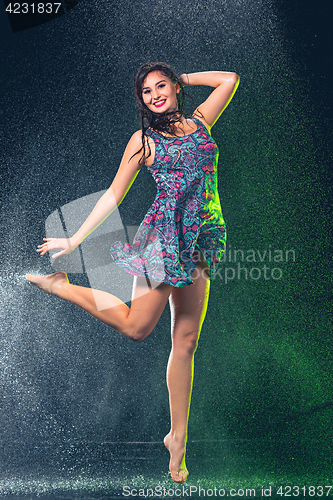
(188, 309)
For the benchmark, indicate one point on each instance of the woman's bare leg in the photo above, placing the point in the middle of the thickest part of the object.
(135, 322)
(188, 309)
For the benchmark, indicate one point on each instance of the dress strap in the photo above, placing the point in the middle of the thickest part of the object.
(200, 124)
(152, 133)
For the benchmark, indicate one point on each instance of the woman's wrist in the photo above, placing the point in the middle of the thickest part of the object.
(184, 79)
(74, 241)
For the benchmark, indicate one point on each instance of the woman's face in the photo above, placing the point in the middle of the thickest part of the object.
(159, 93)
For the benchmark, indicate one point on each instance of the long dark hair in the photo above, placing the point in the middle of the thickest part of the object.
(160, 122)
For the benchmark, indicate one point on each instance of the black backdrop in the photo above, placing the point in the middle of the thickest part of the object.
(83, 409)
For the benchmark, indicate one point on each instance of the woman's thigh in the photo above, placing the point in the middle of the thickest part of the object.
(189, 304)
(148, 301)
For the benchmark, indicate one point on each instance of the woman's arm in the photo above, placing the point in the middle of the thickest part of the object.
(225, 84)
(111, 199)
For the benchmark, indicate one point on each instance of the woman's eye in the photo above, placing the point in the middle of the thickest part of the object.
(161, 86)
(146, 91)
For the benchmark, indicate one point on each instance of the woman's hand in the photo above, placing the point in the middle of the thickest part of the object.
(65, 245)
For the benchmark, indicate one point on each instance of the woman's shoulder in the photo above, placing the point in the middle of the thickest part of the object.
(137, 138)
(135, 142)
(140, 143)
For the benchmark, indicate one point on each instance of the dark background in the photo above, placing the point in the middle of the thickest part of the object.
(84, 409)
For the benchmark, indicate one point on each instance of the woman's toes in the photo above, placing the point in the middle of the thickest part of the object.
(177, 465)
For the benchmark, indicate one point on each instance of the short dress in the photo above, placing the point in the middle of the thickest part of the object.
(185, 216)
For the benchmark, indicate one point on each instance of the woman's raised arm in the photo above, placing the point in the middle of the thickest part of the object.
(225, 84)
(111, 199)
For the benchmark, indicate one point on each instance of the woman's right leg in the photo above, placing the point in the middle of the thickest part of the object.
(135, 322)
(188, 309)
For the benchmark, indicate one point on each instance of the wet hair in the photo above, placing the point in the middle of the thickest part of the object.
(160, 122)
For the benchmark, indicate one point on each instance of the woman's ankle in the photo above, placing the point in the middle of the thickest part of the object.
(178, 436)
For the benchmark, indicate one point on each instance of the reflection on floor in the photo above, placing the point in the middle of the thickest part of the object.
(88, 471)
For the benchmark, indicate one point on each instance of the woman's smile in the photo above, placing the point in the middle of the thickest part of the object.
(159, 103)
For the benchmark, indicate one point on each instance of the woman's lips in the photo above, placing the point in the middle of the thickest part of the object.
(159, 103)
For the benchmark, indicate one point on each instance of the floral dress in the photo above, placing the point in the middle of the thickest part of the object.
(186, 214)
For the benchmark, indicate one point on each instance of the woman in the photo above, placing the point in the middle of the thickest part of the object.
(180, 240)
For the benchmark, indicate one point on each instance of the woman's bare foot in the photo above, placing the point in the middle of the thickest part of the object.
(177, 465)
(48, 284)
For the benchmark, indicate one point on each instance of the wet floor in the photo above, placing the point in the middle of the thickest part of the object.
(87, 471)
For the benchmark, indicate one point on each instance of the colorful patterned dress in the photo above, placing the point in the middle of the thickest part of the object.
(186, 214)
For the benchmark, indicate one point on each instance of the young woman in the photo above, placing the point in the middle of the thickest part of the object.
(178, 243)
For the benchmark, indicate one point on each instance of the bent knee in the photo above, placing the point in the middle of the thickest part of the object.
(186, 343)
(137, 334)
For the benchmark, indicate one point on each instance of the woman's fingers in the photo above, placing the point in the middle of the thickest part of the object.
(52, 244)
(59, 254)
(42, 249)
